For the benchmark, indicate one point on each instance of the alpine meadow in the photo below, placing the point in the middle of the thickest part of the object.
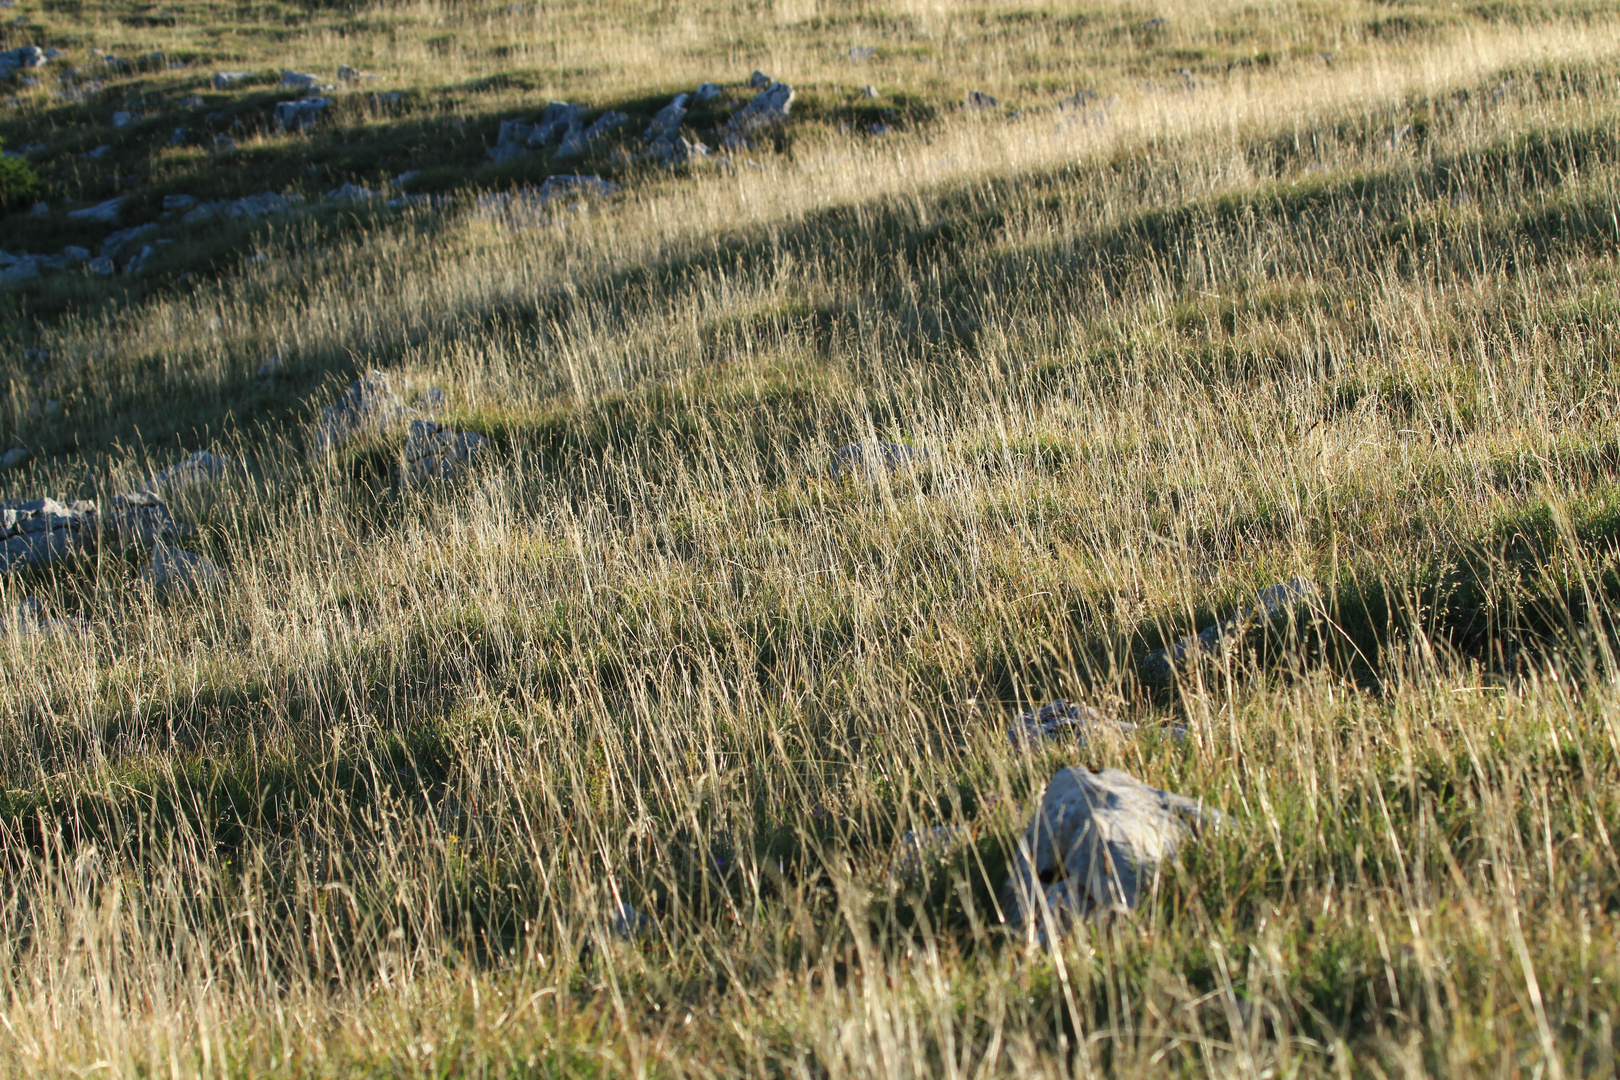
(815, 538)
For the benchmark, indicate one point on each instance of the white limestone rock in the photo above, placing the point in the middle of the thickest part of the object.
(1097, 845)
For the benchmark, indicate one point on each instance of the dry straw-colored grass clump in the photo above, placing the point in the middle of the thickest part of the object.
(601, 759)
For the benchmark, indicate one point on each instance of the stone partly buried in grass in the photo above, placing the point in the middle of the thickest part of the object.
(1270, 604)
(435, 452)
(300, 115)
(1097, 845)
(1082, 722)
(38, 532)
(173, 571)
(871, 458)
(372, 403)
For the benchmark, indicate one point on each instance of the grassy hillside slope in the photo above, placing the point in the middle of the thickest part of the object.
(1323, 290)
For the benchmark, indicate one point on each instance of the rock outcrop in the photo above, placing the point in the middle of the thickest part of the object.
(38, 532)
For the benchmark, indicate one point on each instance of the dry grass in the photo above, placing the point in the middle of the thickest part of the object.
(368, 807)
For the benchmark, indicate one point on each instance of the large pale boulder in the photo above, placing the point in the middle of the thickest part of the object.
(1098, 844)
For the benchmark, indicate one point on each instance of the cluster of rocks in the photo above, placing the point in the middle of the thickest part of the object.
(560, 131)
(373, 404)
(39, 532)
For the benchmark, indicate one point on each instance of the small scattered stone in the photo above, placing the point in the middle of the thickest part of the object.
(173, 571)
(191, 101)
(177, 136)
(224, 144)
(101, 266)
(977, 99)
(759, 80)
(1096, 846)
(432, 400)
(869, 92)
(224, 80)
(872, 457)
(270, 366)
(123, 118)
(293, 80)
(179, 202)
(40, 209)
(13, 457)
(861, 54)
(345, 73)
(706, 93)
(75, 254)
